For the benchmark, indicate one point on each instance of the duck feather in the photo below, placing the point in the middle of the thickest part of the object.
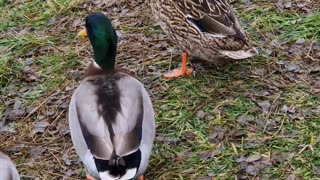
(110, 111)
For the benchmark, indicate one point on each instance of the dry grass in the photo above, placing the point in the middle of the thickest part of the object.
(246, 120)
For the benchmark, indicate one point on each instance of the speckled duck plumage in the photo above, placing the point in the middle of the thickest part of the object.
(206, 29)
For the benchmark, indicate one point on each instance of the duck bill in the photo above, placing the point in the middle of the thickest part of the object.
(82, 33)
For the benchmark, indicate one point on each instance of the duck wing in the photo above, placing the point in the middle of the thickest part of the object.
(215, 17)
(110, 114)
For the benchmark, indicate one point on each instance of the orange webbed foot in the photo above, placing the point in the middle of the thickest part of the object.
(177, 73)
(88, 177)
(181, 71)
(141, 178)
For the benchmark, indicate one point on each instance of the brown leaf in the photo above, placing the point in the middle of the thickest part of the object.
(251, 170)
(167, 140)
(69, 173)
(239, 133)
(25, 31)
(66, 159)
(200, 114)
(50, 112)
(3, 50)
(291, 177)
(204, 178)
(76, 22)
(296, 21)
(36, 152)
(184, 156)
(279, 158)
(17, 104)
(293, 68)
(204, 155)
(4, 128)
(70, 87)
(64, 106)
(39, 127)
(279, 4)
(265, 105)
(110, 2)
(253, 158)
(28, 74)
(315, 170)
(14, 114)
(217, 135)
(241, 158)
(284, 109)
(287, 5)
(24, 89)
(245, 118)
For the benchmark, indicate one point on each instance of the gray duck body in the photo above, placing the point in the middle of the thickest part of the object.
(110, 116)
(8, 170)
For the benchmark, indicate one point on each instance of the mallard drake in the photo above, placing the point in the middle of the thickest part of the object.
(111, 117)
(8, 170)
(206, 29)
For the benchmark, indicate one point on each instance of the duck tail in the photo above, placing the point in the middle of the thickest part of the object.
(240, 54)
(115, 160)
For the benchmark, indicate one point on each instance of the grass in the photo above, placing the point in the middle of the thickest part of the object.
(267, 106)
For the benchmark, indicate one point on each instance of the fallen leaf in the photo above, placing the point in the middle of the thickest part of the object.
(265, 105)
(300, 41)
(291, 177)
(203, 178)
(50, 112)
(296, 21)
(245, 118)
(70, 87)
(284, 109)
(267, 51)
(6, 128)
(167, 140)
(69, 173)
(17, 105)
(25, 31)
(184, 156)
(14, 114)
(3, 50)
(66, 159)
(204, 155)
(36, 152)
(217, 135)
(251, 170)
(279, 4)
(31, 109)
(24, 89)
(64, 106)
(287, 5)
(110, 2)
(39, 127)
(77, 22)
(279, 158)
(293, 68)
(200, 114)
(315, 170)
(239, 133)
(253, 158)
(28, 74)
(241, 158)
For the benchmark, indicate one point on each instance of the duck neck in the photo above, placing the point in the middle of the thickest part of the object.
(104, 56)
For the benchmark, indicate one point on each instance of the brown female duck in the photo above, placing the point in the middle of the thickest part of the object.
(206, 29)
